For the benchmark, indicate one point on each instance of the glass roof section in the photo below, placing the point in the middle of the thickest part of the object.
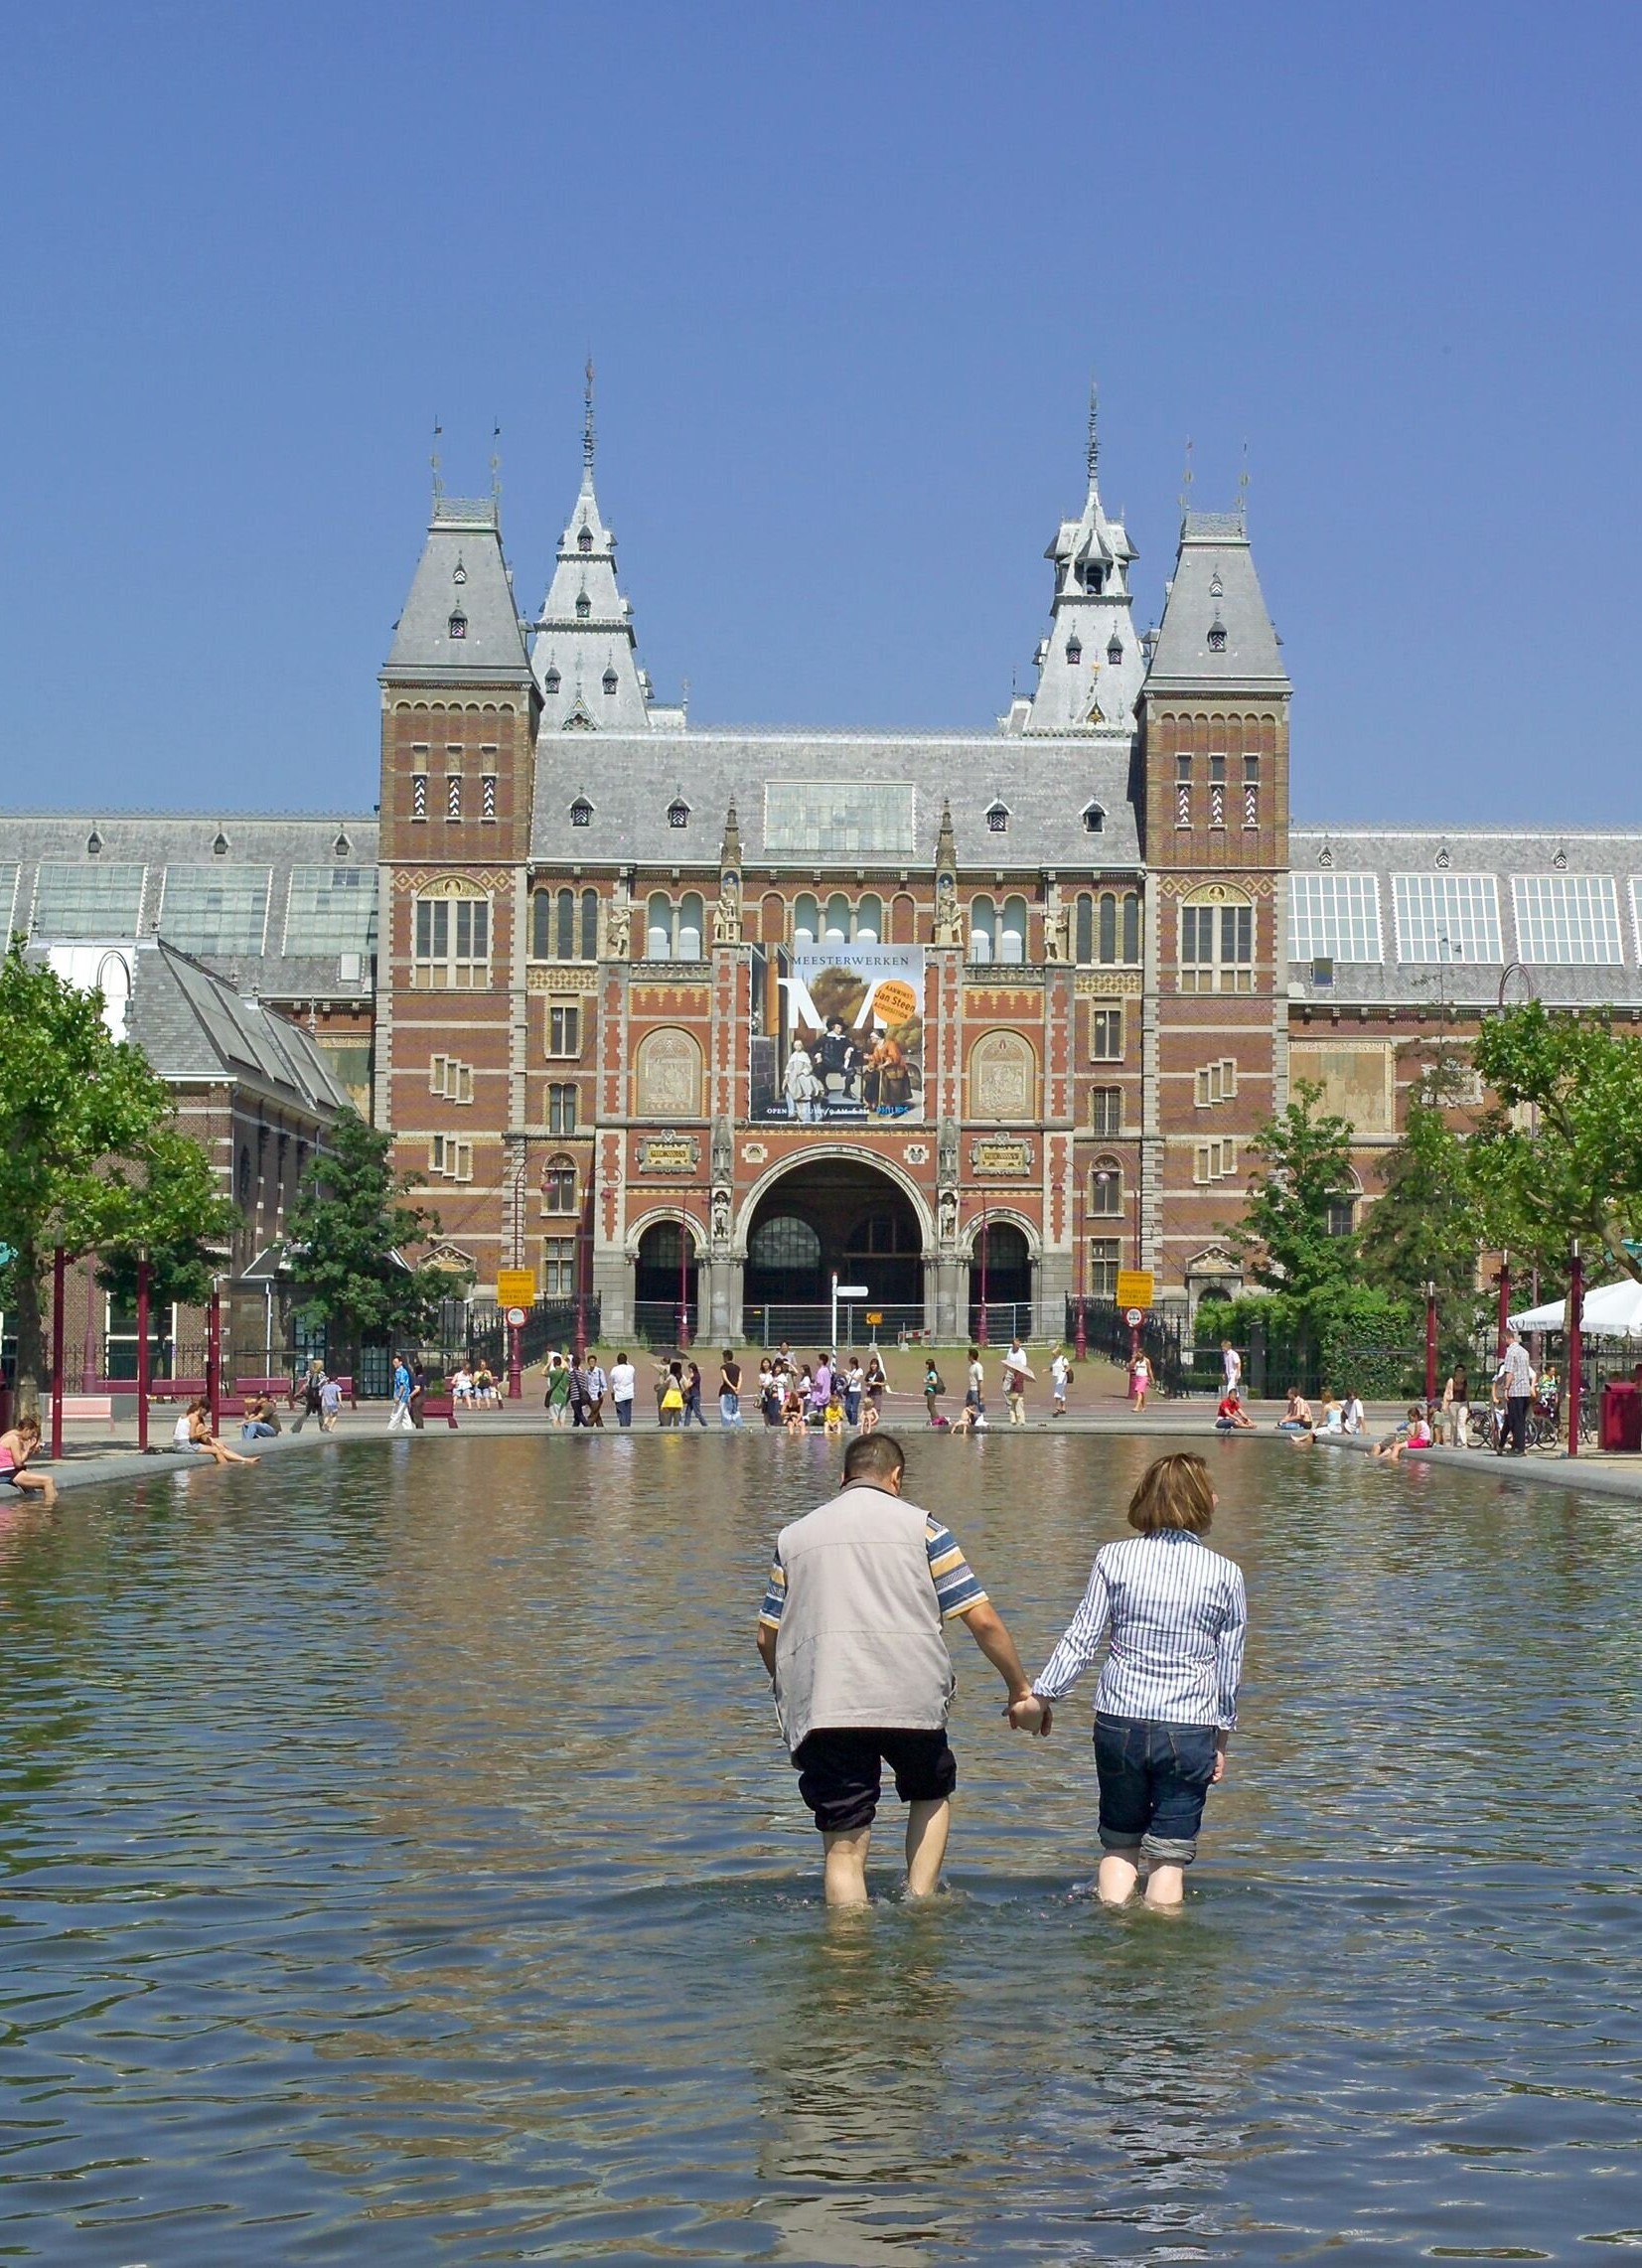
(89, 900)
(215, 909)
(330, 909)
(1334, 917)
(840, 819)
(1447, 917)
(1567, 918)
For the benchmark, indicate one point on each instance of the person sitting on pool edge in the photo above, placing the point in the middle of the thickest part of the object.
(1231, 1417)
(850, 1634)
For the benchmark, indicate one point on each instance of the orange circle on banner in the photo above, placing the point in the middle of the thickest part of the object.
(895, 1001)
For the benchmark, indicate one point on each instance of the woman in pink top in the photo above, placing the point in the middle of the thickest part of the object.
(16, 1448)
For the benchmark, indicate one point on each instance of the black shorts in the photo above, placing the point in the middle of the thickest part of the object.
(839, 1774)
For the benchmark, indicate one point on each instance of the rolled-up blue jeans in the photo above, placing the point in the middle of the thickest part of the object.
(1153, 1781)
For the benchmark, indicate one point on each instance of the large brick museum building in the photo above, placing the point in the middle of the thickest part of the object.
(651, 1007)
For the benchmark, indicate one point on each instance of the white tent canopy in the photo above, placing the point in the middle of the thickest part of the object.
(1612, 1311)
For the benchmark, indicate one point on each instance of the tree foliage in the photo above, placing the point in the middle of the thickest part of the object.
(1561, 1156)
(84, 1119)
(1286, 1233)
(186, 1221)
(1427, 1226)
(352, 1229)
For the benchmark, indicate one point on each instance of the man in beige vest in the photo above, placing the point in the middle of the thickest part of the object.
(851, 1633)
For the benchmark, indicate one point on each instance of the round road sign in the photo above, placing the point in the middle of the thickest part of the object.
(516, 1316)
(1134, 1318)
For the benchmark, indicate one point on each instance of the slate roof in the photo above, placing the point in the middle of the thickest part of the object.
(156, 840)
(1215, 588)
(631, 780)
(1504, 853)
(461, 577)
(193, 1027)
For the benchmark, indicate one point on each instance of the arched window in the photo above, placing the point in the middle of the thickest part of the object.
(691, 921)
(1108, 926)
(869, 921)
(590, 925)
(805, 919)
(541, 924)
(1011, 939)
(659, 928)
(452, 938)
(1115, 651)
(584, 538)
(1082, 950)
(1073, 651)
(1105, 1188)
(998, 818)
(982, 930)
(581, 813)
(1131, 925)
(1093, 820)
(564, 927)
(559, 1185)
(244, 1173)
(836, 931)
(1217, 940)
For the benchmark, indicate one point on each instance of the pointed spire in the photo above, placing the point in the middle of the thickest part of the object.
(438, 481)
(729, 850)
(1094, 434)
(587, 428)
(945, 844)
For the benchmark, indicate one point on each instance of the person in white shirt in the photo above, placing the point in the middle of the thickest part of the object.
(1516, 1375)
(1231, 1364)
(1059, 1377)
(1351, 1417)
(624, 1383)
(974, 1397)
(1017, 1375)
(598, 1386)
(461, 1383)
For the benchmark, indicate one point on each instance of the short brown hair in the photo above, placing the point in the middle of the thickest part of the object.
(1174, 1492)
(873, 1456)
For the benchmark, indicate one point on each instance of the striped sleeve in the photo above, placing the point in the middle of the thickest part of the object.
(1081, 1643)
(956, 1586)
(775, 1596)
(1229, 1649)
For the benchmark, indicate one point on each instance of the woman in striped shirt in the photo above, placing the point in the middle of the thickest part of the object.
(1167, 1702)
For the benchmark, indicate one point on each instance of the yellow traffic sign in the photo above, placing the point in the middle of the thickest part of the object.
(1135, 1287)
(515, 1286)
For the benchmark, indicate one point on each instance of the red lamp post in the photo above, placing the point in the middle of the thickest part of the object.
(142, 1350)
(214, 1356)
(59, 1263)
(683, 1277)
(1576, 1311)
(581, 1278)
(1081, 1329)
(986, 1240)
(1430, 1345)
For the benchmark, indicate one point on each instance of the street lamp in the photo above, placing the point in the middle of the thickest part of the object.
(1575, 1313)
(1081, 1329)
(142, 1347)
(1430, 1346)
(986, 1241)
(684, 1224)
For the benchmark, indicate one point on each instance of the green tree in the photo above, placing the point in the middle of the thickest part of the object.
(1428, 1228)
(186, 1221)
(1574, 1168)
(1287, 1232)
(83, 1117)
(352, 1229)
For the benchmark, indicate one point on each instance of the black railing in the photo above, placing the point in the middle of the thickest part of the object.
(1108, 1333)
(548, 1324)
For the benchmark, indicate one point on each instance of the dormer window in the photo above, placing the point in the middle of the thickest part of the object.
(584, 538)
(1073, 651)
(93, 844)
(584, 606)
(342, 847)
(1216, 635)
(551, 682)
(679, 813)
(581, 813)
(1093, 820)
(1115, 651)
(220, 845)
(610, 680)
(459, 623)
(998, 818)
(1094, 579)
(461, 573)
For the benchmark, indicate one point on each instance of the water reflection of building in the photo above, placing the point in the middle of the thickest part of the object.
(601, 930)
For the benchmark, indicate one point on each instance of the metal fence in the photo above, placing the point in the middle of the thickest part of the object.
(550, 1324)
(1107, 1331)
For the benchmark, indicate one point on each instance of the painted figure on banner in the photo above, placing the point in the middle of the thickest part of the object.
(853, 1034)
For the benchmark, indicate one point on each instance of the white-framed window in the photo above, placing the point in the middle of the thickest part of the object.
(1217, 944)
(1447, 917)
(1105, 1257)
(1105, 1109)
(561, 1110)
(451, 1079)
(451, 944)
(1105, 1035)
(1334, 917)
(675, 932)
(1567, 918)
(450, 1159)
(558, 1267)
(1216, 1083)
(1214, 1160)
(559, 1185)
(1636, 913)
(1105, 1188)
(563, 1028)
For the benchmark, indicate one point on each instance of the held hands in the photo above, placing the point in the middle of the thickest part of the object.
(1030, 1715)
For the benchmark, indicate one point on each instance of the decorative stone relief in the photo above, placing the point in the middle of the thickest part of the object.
(618, 928)
(668, 1154)
(723, 1151)
(721, 1217)
(666, 1076)
(1057, 932)
(947, 1152)
(753, 1154)
(726, 915)
(992, 1154)
(917, 1154)
(946, 1217)
(1003, 1077)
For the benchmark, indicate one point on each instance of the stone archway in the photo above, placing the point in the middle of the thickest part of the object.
(840, 1213)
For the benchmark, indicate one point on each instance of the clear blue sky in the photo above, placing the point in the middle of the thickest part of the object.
(846, 271)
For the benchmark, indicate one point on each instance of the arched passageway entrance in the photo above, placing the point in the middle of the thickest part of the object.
(833, 1216)
(664, 1285)
(1001, 1274)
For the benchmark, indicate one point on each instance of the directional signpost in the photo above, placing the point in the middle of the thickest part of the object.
(844, 1292)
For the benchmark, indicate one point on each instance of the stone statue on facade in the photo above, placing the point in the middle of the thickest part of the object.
(723, 1151)
(726, 915)
(949, 919)
(945, 1153)
(721, 1217)
(1055, 929)
(618, 928)
(947, 1217)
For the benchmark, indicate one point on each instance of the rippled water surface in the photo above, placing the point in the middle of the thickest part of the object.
(401, 1864)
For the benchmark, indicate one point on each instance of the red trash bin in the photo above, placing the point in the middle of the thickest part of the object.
(1621, 1414)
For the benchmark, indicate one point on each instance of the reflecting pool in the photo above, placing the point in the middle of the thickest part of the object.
(401, 1864)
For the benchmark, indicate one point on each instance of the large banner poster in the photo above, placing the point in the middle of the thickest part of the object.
(851, 1042)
